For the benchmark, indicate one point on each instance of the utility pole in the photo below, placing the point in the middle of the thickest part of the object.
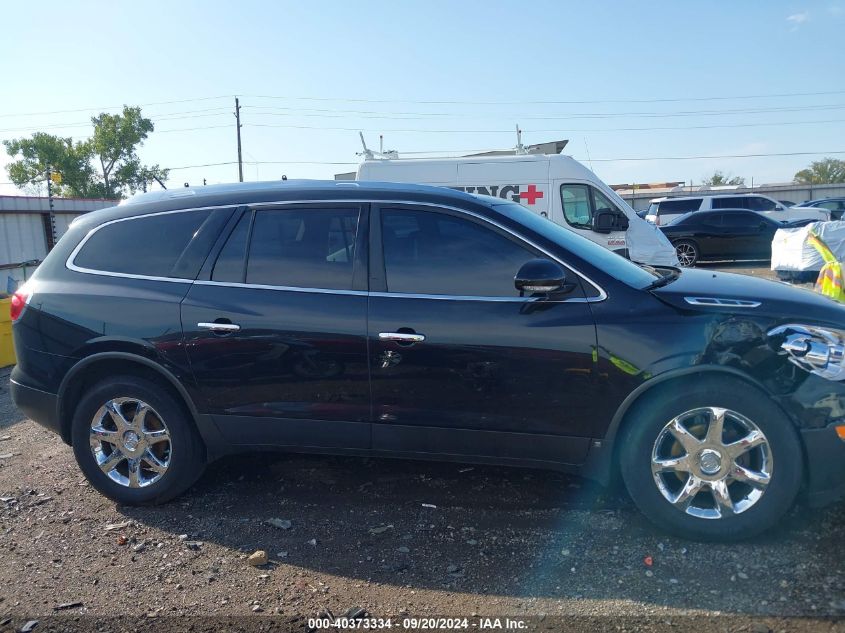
(51, 241)
(240, 158)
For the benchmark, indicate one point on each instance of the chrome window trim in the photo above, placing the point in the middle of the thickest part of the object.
(365, 293)
(235, 284)
(70, 265)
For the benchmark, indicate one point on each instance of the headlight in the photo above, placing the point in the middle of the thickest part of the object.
(818, 350)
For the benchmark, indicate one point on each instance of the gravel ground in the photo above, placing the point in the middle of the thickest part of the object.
(395, 538)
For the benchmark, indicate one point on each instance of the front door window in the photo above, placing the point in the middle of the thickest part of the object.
(581, 202)
(576, 205)
(438, 254)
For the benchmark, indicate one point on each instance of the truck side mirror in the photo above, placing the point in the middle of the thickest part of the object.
(608, 220)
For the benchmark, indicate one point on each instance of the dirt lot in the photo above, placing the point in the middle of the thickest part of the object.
(395, 538)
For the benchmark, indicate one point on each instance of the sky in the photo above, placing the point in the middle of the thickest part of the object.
(620, 80)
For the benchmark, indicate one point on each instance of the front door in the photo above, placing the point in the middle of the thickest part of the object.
(748, 234)
(579, 203)
(275, 328)
(460, 364)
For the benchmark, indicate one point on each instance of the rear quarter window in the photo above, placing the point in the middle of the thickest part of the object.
(740, 202)
(679, 206)
(162, 245)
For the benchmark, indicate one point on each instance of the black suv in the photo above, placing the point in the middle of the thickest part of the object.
(409, 321)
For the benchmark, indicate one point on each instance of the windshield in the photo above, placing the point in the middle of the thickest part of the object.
(614, 265)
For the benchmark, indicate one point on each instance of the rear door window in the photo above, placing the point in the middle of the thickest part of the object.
(303, 247)
(741, 219)
(711, 219)
(757, 203)
(170, 245)
(738, 202)
(232, 258)
(674, 207)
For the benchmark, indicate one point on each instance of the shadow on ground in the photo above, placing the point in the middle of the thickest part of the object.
(9, 414)
(510, 532)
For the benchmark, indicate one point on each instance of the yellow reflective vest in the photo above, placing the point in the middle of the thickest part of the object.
(830, 281)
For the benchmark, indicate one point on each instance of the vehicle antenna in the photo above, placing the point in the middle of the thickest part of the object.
(367, 153)
(520, 148)
(589, 160)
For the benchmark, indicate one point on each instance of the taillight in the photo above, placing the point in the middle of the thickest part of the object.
(19, 301)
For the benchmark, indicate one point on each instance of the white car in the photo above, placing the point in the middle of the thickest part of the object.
(661, 211)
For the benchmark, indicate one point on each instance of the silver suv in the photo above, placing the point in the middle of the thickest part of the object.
(661, 211)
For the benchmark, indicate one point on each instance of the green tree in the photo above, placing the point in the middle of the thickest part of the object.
(721, 178)
(62, 155)
(113, 148)
(822, 172)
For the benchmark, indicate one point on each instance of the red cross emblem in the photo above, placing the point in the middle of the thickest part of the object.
(532, 195)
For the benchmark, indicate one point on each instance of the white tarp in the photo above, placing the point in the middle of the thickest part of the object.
(792, 252)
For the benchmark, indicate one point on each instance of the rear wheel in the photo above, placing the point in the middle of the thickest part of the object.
(134, 442)
(687, 253)
(713, 461)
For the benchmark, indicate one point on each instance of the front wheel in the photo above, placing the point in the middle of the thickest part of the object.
(135, 443)
(713, 461)
(687, 253)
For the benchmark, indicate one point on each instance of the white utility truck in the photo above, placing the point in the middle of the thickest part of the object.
(554, 186)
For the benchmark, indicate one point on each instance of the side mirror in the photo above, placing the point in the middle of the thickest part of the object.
(609, 220)
(540, 275)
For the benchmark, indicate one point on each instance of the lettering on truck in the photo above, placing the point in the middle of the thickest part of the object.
(523, 194)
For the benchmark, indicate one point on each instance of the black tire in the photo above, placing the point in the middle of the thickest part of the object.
(687, 251)
(185, 449)
(649, 417)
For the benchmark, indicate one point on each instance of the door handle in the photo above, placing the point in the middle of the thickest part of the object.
(401, 337)
(219, 327)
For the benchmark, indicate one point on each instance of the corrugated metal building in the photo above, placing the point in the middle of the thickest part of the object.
(26, 233)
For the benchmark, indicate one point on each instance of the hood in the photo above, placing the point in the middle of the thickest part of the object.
(647, 244)
(711, 291)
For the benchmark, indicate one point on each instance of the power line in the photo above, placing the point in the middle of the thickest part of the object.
(193, 129)
(541, 131)
(608, 160)
(120, 107)
(231, 162)
(438, 102)
(371, 114)
(456, 131)
(169, 116)
(534, 101)
(640, 158)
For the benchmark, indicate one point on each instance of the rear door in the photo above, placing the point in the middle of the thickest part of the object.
(460, 364)
(275, 327)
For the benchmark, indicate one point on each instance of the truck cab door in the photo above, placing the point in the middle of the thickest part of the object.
(579, 202)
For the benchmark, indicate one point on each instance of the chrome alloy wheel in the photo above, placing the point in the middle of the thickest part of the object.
(686, 254)
(130, 442)
(711, 463)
